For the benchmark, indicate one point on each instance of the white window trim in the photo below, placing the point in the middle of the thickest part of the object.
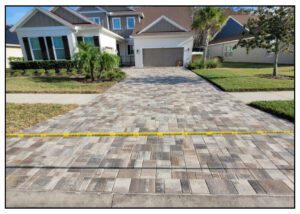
(113, 24)
(31, 49)
(53, 47)
(94, 18)
(127, 18)
(225, 50)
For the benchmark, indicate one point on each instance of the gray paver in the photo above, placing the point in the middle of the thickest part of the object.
(157, 99)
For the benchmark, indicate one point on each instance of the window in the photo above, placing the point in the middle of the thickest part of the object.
(130, 50)
(59, 47)
(130, 22)
(88, 40)
(36, 49)
(116, 23)
(96, 20)
(228, 51)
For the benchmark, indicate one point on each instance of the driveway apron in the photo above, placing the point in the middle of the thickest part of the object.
(157, 99)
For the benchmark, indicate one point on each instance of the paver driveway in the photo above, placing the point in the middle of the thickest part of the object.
(159, 99)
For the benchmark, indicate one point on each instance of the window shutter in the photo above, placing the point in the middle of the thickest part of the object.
(50, 48)
(79, 39)
(27, 48)
(66, 47)
(43, 48)
(96, 41)
(128, 49)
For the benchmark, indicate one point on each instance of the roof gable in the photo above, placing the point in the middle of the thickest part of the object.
(71, 16)
(163, 24)
(181, 16)
(39, 19)
(231, 29)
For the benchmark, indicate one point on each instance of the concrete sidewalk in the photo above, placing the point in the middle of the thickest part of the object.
(248, 97)
(79, 99)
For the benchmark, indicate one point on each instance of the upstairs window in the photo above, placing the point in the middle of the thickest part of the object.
(96, 20)
(59, 47)
(116, 23)
(130, 22)
(36, 49)
(88, 40)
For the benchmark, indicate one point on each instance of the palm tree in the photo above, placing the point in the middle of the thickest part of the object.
(88, 58)
(207, 20)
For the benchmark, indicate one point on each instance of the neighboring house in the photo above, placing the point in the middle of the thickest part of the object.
(164, 37)
(227, 37)
(12, 46)
(54, 34)
(119, 19)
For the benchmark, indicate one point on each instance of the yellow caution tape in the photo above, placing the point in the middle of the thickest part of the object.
(136, 134)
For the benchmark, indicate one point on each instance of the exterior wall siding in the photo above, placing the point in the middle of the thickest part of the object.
(41, 20)
(102, 16)
(12, 51)
(63, 13)
(186, 42)
(44, 32)
(257, 55)
(124, 31)
(163, 26)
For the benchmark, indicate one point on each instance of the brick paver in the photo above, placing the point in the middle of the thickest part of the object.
(158, 99)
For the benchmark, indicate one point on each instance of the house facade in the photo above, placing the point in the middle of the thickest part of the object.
(12, 46)
(141, 36)
(120, 20)
(228, 36)
(55, 34)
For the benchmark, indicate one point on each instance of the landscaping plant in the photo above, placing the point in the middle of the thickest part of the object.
(88, 58)
(206, 21)
(271, 28)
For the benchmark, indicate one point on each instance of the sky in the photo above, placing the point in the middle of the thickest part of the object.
(14, 14)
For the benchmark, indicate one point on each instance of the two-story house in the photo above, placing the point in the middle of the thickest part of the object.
(120, 20)
(141, 36)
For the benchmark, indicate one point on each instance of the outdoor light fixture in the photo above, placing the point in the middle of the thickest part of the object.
(137, 51)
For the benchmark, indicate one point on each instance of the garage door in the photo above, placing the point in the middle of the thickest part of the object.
(159, 57)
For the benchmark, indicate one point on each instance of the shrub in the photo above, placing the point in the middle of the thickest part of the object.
(40, 72)
(74, 72)
(212, 63)
(29, 72)
(15, 59)
(63, 71)
(16, 73)
(109, 61)
(199, 64)
(47, 64)
(51, 72)
(113, 75)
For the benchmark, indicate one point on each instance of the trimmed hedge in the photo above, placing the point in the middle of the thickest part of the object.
(48, 64)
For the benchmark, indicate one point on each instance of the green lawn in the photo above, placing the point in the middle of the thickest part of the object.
(21, 116)
(284, 109)
(249, 77)
(53, 85)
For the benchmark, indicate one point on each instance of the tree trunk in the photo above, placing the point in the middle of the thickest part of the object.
(275, 64)
(205, 47)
